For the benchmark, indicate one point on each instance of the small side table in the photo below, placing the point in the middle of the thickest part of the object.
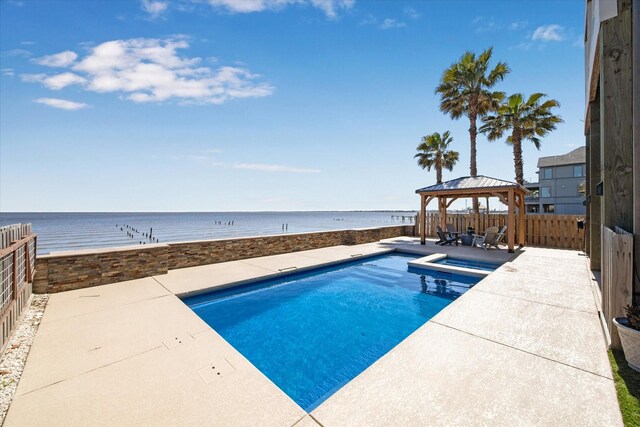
(466, 239)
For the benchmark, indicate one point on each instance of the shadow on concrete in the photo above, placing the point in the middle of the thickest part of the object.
(412, 245)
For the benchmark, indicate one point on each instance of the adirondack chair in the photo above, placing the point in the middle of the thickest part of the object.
(492, 237)
(446, 238)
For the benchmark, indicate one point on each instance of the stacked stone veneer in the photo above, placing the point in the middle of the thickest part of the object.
(81, 269)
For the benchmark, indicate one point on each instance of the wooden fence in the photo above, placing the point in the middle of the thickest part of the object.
(553, 231)
(616, 270)
(17, 267)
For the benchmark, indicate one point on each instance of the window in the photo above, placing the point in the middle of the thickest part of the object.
(533, 209)
(582, 189)
(549, 208)
(547, 173)
(578, 170)
(545, 191)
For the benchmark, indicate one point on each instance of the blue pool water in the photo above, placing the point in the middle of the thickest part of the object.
(478, 265)
(311, 333)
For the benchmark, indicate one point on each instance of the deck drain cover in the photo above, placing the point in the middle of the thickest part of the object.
(176, 340)
(216, 369)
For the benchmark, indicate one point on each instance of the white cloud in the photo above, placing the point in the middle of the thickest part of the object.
(553, 32)
(329, 7)
(150, 70)
(61, 103)
(245, 6)
(264, 167)
(517, 25)
(17, 52)
(209, 158)
(411, 12)
(369, 20)
(484, 24)
(62, 59)
(155, 8)
(55, 82)
(523, 46)
(8, 72)
(389, 23)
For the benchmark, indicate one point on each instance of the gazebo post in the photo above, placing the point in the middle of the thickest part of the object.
(423, 219)
(522, 239)
(511, 222)
(443, 212)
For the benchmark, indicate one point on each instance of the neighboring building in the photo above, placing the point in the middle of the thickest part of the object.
(561, 185)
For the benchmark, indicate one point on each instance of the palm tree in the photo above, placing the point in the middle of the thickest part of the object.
(464, 91)
(433, 152)
(528, 119)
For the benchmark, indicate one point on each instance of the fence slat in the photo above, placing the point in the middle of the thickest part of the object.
(556, 231)
(17, 265)
(616, 269)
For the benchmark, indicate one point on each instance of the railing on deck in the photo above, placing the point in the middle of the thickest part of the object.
(553, 231)
(17, 267)
(616, 270)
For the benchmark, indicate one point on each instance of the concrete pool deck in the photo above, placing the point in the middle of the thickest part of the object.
(524, 346)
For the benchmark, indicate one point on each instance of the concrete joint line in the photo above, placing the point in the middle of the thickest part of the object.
(160, 283)
(245, 261)
(106, 309)
(310, 416)
(537, 302)
(316, 420)
(92, 370)
(521, 350)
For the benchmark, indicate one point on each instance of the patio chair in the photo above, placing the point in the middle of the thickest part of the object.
(446, 238)
(499, 237)
(491, 237)
(451, 230)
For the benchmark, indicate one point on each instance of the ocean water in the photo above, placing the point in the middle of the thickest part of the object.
(313, 332)
(69, 231)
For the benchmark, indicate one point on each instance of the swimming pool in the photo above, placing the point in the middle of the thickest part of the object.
(478, 265)
(311, 333)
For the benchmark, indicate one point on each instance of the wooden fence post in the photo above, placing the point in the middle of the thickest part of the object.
(14, 276)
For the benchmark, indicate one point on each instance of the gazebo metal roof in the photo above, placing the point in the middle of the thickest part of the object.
(471, 183)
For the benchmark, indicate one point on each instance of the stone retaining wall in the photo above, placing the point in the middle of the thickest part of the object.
(82, 269)
(64, 271)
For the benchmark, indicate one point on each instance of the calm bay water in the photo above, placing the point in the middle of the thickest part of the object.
(68, 231)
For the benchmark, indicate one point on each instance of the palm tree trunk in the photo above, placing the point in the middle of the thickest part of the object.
(438, 174)
(473, 167)
(517, 157)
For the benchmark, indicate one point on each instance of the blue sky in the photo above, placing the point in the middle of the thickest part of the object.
(218, 105)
